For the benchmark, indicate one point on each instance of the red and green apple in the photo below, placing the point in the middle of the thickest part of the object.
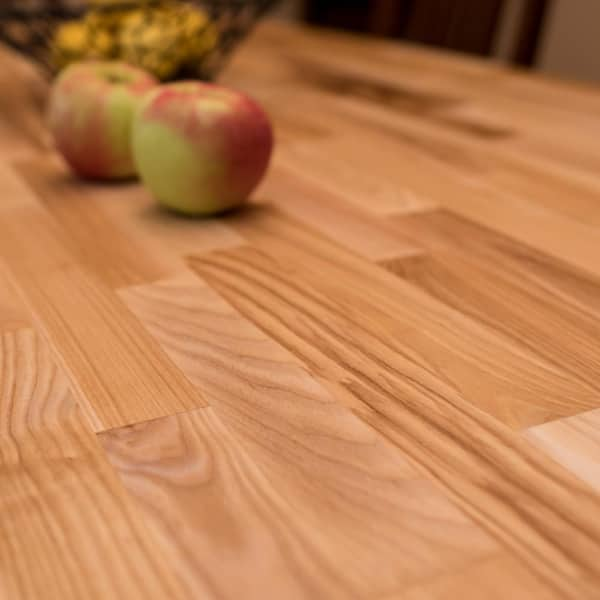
(200, 148)
(90, 114)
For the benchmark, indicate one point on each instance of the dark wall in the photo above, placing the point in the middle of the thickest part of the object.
(463, 25)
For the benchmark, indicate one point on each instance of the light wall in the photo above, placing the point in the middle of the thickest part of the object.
(570, 46)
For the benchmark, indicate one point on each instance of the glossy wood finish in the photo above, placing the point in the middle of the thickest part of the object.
(378, 381)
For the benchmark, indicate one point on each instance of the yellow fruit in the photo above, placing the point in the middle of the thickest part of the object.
(76, 41)
(109, 21)
(110, 3)
(163, 39)
(150, 39)
(199, 33)
(102, 45)
(70, 42)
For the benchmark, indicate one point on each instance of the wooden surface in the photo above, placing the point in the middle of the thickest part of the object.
(379, 381)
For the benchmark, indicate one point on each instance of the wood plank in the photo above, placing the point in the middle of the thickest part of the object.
(508, 286)
(520, 103)
(67, 527)
(335, 481)
(120, 372)
(22, 128)
(437, 105)
(189, 469)
(119, 231)
(505, 379)
(13, 312)
(568, 145)
(505, 484)
(445, 231)
(514, 168)
(554, 187)
(379, 181)
(168, 237)
(425, 151)
(574, 443)
(213, 508)
(102, 244)
(495, 578)
(306, 200)
(486, 94)
(404, 151)
(354, 180)
(548, 185)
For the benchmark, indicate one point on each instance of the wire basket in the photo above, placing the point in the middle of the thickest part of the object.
(31, 26)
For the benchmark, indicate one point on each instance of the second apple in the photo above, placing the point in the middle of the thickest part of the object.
(200, 148)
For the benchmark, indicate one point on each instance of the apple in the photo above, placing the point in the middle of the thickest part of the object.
(200, 148)
(90, 112)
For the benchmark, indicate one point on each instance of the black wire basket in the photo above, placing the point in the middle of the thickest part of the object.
(32, 27)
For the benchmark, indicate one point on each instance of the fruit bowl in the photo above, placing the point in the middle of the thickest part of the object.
(172, 39)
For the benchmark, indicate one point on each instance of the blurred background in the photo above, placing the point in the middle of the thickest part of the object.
(558, 37)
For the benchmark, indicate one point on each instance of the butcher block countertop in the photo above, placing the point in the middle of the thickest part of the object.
(380, 381)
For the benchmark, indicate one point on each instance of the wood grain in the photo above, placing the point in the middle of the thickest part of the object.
(508, 286)
(101, 244)
(13, 312)
(459, 183)
(164, 236)
(213, 508)
(500, 185)
(500, 480)
(122, 242)
(189, 469)
(507, 380)
(329, 213)
(574, 443)
(22, 130)
(496, 578)
(381, 382)
(326, 162)
(67, 527)
(121, 374)
(345, 481)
